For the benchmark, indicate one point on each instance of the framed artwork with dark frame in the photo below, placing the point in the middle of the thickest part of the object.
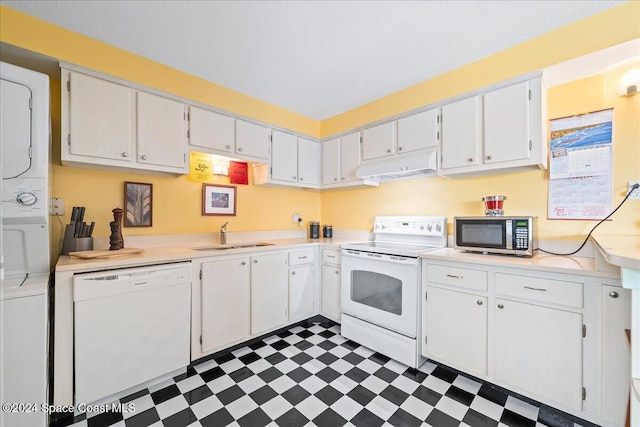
(138, 204)
(218, 199)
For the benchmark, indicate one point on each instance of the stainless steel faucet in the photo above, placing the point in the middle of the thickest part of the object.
(223, 234)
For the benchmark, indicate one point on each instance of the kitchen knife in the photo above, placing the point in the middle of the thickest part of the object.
(81, 215)
(74, 215)
(77, 229)
(91, 229)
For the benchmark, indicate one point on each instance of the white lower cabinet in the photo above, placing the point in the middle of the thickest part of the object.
(226, 310)
(558, 338)
(330, 287)
(301, 301)
(269, 292)
(539, 349)
(456, 329)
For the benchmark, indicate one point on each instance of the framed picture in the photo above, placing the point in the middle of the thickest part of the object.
(218, 199)
(138, 204)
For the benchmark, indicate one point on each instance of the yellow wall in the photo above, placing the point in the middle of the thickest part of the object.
(177, 200)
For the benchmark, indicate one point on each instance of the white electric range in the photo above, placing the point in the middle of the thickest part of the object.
(381, 285)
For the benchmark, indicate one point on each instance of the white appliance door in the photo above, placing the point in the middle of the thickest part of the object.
(128, 338)
(16, 137)
(379, 290)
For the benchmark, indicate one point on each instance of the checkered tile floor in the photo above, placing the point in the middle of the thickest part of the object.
(310, 375)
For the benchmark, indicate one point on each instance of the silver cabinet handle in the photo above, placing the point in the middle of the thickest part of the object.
(399, 148)
(240, 149)
(535, 289)
(293, 273)
(337, 272)
(479, 302)
(470, 159)
(455, 277)
(613, 294)
(243, 263)
(335, 179)
(489, 157)
(143, 157)
(388, 150)
(227, 147)
(301, 179)
(295, 177)
(125, 154)
(500, 306)
(331, 256)
(302, 257)
(343, 178)
(255, 261)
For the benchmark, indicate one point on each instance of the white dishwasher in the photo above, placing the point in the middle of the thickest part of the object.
(130, 326)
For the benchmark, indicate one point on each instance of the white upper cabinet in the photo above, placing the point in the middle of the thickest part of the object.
(461, 133)
(331, 161)
(110, 126)
(500, 130)
(340, 159)
(161, 131)
(349, 157)
(295, 162)
(284, 157)
(252, 140)
(211, 131)
(418, 131)
(506, 124)
(100, 120)
(379, 141)
(309, 157)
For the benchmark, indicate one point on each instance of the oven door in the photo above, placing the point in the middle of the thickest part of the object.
(381, 289)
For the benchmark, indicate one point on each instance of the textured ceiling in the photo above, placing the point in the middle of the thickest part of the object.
(317, 58)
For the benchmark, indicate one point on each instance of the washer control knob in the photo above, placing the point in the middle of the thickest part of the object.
(26, 199)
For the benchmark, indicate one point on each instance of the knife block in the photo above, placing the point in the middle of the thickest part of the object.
(75, 244)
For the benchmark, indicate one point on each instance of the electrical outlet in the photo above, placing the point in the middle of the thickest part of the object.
(636, 192)
(56, 207)
(295, 218)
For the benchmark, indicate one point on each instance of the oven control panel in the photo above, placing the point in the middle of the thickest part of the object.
(415, 225)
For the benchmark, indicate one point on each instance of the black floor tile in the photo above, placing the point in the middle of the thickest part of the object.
(305, 334)
(516, 420)
(386, 374)
(440, 419)
(165, 394)
(220, 418)
(402, 418)
(295, 395)
(493, 395)
(427, 395)
(301, 358)
(143, 419)
(263, 394)
(357, 374)
(361, 395)
(181, 419)
(460, 395)
(327, 345)
(303, 345)
(241, 374)
(275, 358)
(104, 419)
(350, 345)
(328, 395)
(353, 358)
(444, 374)
(224, 358)
(476, 419)
(134, 396)
(212, 374)
(394, 395)
(255, 418)
(194, 396)
(279, 345)
(291, 418)
(327, 358)
(329, 418)
(231, 394)
(327, 374)
(270, 374)
(379, 358)
(299, 374)
(249, 358)
(416, 375)
(365, 418)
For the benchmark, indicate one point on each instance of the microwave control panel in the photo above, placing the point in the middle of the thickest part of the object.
(520, 234)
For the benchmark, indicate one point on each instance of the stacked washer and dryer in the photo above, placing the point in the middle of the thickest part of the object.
(24, 245)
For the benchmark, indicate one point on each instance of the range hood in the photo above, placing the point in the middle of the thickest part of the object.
(402, 166)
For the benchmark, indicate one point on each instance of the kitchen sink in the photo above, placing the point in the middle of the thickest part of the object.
(231, 246)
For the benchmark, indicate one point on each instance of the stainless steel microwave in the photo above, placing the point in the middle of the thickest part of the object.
(513, 235)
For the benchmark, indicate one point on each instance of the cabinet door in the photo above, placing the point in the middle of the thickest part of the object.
(456, 329)
(331, 292)
(269, 292)
(284, 157)
(349, 157)
(418, 131)
(506, 124)
(309, 153)
(616, 360)
(225, 302)
(461, 133)
(100, 119)
(331, 161)
(161, 132)
(539, 349)
(252, 140)
(301, 293)
(211, 130)
(379, 141)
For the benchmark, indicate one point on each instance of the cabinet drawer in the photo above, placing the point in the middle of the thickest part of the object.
(300, 257)
(463, 277)
(331, 256)
(539, 289)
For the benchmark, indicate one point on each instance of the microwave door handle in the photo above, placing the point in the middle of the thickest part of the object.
(509, 231)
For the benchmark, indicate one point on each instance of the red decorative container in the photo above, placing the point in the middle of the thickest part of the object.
(493, 205)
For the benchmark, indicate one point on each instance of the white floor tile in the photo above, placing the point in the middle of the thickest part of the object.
(311, 407)
(190, 383)
(343, 384)
(313, 384)
(205, 366)
(259, 366)
(265, 351)
(232, 366)
(282, 384)
(286, 366)
(251, 384)
(339, 351)
(374, 384)
(220, 384)
(346, 407)
(427, 367)
(487, 407)
(171, 406)
(417, 407)
(522, 408)
(467, 384)
(315, 351)
(241, 351)
(341, 366)
(140, 405)
(161, 385)
(241, 407)
(405, 384)
(314, 366)
(451, 407)
(276, 407)
(436, 384)
(382, 407)
(395, 366)
(364, 351)
(206, 407)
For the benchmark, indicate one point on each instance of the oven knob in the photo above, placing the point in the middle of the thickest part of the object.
(383, 226)
(438, 227)
(429, 227)
(421, 226)
(26, 199)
